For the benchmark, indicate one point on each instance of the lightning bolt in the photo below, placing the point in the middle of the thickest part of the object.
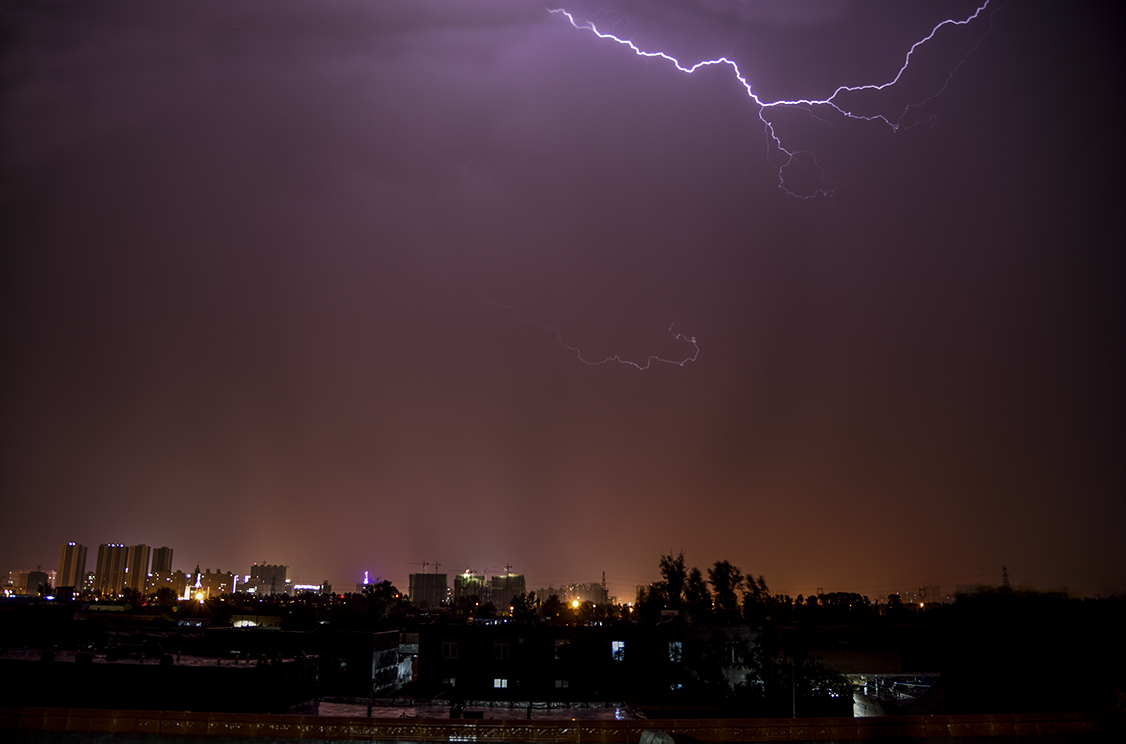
(788, 155)
(653, 358)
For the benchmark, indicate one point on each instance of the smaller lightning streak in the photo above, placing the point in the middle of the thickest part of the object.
(790, 155)
(616, 358)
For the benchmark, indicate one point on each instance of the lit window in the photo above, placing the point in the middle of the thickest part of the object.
(675, 651)
(562, 683)
(499, 683)
(618, 650)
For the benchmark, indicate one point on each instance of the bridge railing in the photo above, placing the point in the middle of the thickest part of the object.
(238, 726)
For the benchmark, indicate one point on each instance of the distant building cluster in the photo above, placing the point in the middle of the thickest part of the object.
(592, 592)
(119, 569)
(929, 594)
(23, 582)
(266, 578)
(433, 590)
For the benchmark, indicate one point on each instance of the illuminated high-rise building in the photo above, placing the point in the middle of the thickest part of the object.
(137, 567)
(470, 584)
(162, 575)
(121, 566)
(109, 571)
(72, 565)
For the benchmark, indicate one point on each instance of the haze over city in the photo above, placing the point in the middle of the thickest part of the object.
(320, 284)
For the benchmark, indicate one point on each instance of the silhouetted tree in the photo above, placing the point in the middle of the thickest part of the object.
(650, 602)
(465, 605)
(674, 574)
(726, 579)
(756, 600)
(132, 597)
(697, 597)
(895, 606)
(165, 596)
(552, 609)
(781, 678)
(707, 663)
(379, 598)
(524, 607)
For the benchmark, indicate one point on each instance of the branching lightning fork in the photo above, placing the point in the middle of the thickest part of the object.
(653, 358)
(788, 154)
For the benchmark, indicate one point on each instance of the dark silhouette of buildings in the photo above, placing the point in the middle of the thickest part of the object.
(162, 560)
(431, 588)
(503, 588)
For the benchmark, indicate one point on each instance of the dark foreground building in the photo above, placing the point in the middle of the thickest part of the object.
(234, 670)
(574, 663)
(162, 683)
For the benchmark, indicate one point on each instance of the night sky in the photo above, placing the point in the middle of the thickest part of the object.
(295, 282)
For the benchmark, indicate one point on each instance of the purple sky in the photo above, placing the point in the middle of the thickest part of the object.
(253, 252)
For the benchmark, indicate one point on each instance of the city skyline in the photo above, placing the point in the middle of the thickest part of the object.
(618, 588)
(350, 287)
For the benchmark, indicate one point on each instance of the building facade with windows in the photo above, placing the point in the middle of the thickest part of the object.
(503, 588)
(137, 567)
(267, 578)
(431, 588)
(161, 560)
(121, 566)
(109, 570)
(471, 584)
(508, 661)
(72, 565)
